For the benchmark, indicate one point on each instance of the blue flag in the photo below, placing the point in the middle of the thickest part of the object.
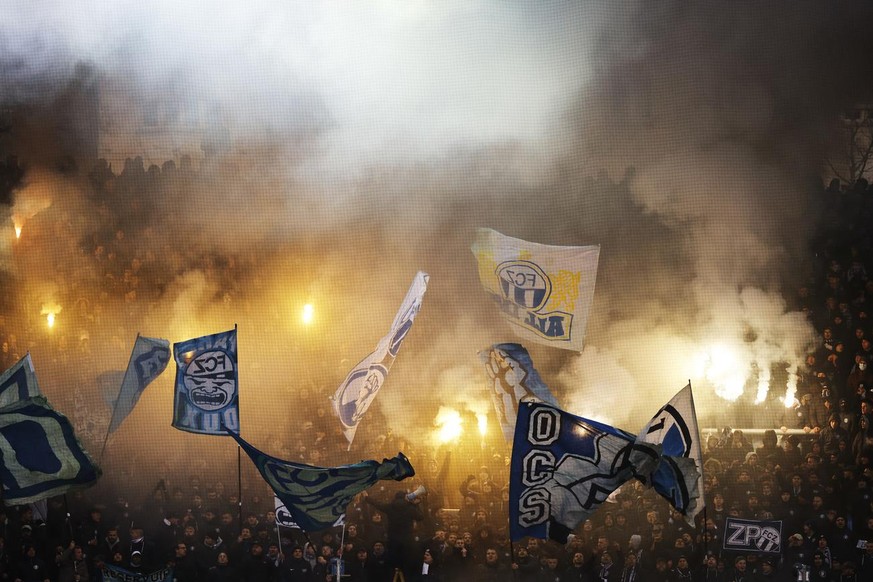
(564, 466)
(317, 497)
(18, 382)
(207, 378)
(679, 476)
(353, 398)
(40, 454)
(513, 379)
(148, 360)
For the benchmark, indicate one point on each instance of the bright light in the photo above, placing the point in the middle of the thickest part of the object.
(17, 231)
(722, 367)
(448, 422)
(50, 311)
(308, 314)
(482, 421)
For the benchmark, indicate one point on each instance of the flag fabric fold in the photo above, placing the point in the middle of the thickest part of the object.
(317, 497)
(18, 382)
(564, 466)
(354, 396)
(544, 291)
(679, 476)
(148, 360)
(40, 454)
(513, 379)
(207, 384)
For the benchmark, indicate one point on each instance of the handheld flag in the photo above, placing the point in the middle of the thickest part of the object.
(207, 378)
(356, 393)
(317, 497)
(148, 360)
(544, 291)
(563, 467)
(18, 382)
(40, 454)
(679, 476)
(513, 379)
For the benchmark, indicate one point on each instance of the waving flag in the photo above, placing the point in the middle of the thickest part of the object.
(317, 497)
(356, 393)
(207, 379)
(679, 476)
(563, 467)
(18, 382)
(544, 291)
(40, 456)
(513, 379)
(148, 360)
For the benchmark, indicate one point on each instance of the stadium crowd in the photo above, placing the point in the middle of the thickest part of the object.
(816, 482)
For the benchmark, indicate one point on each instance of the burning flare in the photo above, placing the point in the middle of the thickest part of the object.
(50, 311)
(449, 425)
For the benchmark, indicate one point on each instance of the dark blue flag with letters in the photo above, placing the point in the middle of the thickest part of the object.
(753, 535)
(207, 384)
(564, 466)
(317, 497)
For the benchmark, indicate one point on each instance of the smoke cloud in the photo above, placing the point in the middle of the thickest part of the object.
(324, 153)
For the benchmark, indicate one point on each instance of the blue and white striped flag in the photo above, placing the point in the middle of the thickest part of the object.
(207, 379)
(354, 396)
(564, 466)
(513, 379)
(317, 497)
(18, 382)
(148, 360)
(40, 454)
(679, 476)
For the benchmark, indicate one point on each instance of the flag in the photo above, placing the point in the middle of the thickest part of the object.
(679, 476)
(544, 291)
(513, 379)
(317, 497)
(207, 378)
(753, 535)
(18, 382)
(148, 360)
(356, 393)
(284, 518)
(563, 467)
(40, 454)
(111, 572)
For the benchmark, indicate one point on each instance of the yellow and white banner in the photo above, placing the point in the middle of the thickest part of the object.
(544, 291)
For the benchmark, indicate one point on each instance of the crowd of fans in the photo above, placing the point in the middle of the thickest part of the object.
(816, 482)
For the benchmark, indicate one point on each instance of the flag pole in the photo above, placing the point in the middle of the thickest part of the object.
(239, 485)
(238, 447)
(117, 398)
(705, 541)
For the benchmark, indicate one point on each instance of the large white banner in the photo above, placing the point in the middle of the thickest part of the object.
(544, 291)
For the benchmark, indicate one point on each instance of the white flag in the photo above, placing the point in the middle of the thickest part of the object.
(679, 476)
(356, 393)
(544, 291)
(148, 360)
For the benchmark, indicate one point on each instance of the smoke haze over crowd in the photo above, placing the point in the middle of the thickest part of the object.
(338, 148)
